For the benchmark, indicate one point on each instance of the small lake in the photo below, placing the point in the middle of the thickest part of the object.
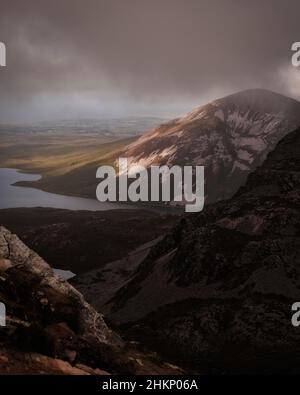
(12, 196)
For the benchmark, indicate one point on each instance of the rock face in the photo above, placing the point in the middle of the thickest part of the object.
(218, 290)
(230, 137)
(81, 240)
(50, 327)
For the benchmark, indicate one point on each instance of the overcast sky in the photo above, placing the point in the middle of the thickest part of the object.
(95, 58)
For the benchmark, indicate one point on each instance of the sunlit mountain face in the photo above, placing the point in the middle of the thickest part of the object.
(230, 137)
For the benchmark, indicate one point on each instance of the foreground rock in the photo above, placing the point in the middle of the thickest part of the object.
(51, 325)
(16, 362)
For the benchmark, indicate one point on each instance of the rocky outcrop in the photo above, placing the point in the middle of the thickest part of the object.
(217, 292)
(51, 325)
(16, 362)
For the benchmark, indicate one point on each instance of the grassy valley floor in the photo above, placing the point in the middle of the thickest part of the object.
(67, 163)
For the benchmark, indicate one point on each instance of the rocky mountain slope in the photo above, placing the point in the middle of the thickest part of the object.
(230, 137)
(80, 241)
(50, 328)
(217, 292)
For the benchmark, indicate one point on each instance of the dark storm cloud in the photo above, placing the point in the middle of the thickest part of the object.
(143, 53)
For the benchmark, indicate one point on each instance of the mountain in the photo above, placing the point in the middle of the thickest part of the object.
(51, 329)
(216, 293)
(230, 137)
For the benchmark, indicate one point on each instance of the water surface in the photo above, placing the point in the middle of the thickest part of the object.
(12, 196)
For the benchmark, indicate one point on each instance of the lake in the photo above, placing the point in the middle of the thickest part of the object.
(12, 196)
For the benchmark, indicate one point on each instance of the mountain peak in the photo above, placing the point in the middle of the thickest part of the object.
(261, 100)
(230, 137)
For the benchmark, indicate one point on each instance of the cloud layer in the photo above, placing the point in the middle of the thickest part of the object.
(113, 57)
